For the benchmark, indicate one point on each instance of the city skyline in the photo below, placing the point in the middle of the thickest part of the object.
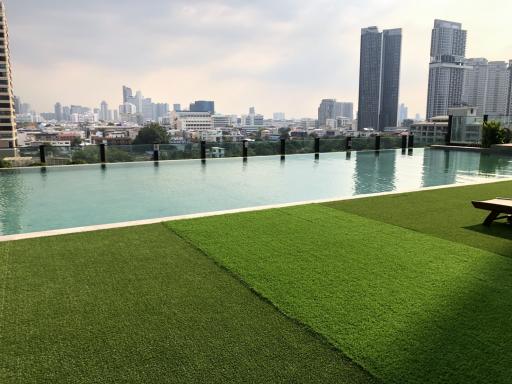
(289, 72)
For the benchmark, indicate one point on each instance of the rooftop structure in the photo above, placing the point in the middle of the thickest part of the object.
(7, 114)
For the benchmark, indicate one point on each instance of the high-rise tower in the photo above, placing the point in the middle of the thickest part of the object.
(379, 78)
(7, 116)
(509, 102)
(446, 70)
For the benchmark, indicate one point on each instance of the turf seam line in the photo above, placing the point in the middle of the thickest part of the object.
(305, 327)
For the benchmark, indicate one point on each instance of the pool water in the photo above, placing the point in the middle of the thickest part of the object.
(38, 199)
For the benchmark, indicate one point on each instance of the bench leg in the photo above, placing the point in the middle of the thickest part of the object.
(490, 219)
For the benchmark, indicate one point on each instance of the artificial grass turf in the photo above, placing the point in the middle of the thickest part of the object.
(140, 305)
(445, 213)
(411, 308)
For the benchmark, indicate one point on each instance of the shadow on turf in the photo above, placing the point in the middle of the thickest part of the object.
(468, 339)
(500, 230)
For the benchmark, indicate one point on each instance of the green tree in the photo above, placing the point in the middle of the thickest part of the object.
(76, 141)
(492, 133)
(4, 164)
(284, 133)
(151, 134)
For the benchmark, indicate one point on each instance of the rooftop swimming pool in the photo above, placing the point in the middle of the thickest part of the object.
(40, 199)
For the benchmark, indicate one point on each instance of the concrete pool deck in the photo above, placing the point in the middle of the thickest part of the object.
(135, 223)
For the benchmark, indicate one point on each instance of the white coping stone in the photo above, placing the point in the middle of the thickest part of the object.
(101, 227)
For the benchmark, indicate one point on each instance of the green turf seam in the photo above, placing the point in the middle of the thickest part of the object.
(305, 327)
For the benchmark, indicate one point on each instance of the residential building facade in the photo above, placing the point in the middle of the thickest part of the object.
(379, 78)
(509, 102)
(446, 69)
(7, 115)
(203, 106)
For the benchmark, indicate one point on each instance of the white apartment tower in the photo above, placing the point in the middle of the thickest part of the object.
(7, 116)
(509, 103)
(475, 84)
(447, 66)
(497, 89)
(486, 86)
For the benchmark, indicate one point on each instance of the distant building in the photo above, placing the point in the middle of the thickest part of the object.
(252, 119)
(347, 110)
(476, 77)
(486, 86)
(127, 94)
(193, 121)
(66, 113)
(103, 113)
(161, 110)
(203, 106)
(279, 116)
(446, 69)
(509, 103)
(430, 132)
(176, 107)
(7, 114)
(222, 121)
(403, 114)
(330, 110)
(308, 124)
(58, 112)
(17, 105)
(379, 78)
(497, 89)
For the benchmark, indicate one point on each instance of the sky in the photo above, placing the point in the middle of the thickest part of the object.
(275, 55)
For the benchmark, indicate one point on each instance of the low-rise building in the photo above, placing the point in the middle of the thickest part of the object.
(192, 121)
(430, 132)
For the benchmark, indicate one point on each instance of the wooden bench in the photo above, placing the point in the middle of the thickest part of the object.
(497, 206)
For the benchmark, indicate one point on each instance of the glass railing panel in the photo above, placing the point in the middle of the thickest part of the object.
(264, 148)
(294, 147)
(129, 153)
(89, 154)
(222, 150)
(180, 151)
(390, 142)
(333, 145)
(363, 143)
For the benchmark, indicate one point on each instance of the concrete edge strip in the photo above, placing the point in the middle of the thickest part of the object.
(127, 224)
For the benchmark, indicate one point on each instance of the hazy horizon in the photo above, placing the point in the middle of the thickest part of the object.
(276, 56)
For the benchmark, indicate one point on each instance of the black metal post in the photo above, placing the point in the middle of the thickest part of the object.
(317, 145)
(404, 142)
(349, 143)
(42, 154)
(203, 150)
(448, 140)
(103, 154)
(377, 143)
(156, 152)
(283, 148)
(411, 143)
(245, 147)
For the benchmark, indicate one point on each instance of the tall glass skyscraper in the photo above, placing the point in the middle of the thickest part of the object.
(7, 116)
(379, 78)
(203, 106)
(447, 66)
